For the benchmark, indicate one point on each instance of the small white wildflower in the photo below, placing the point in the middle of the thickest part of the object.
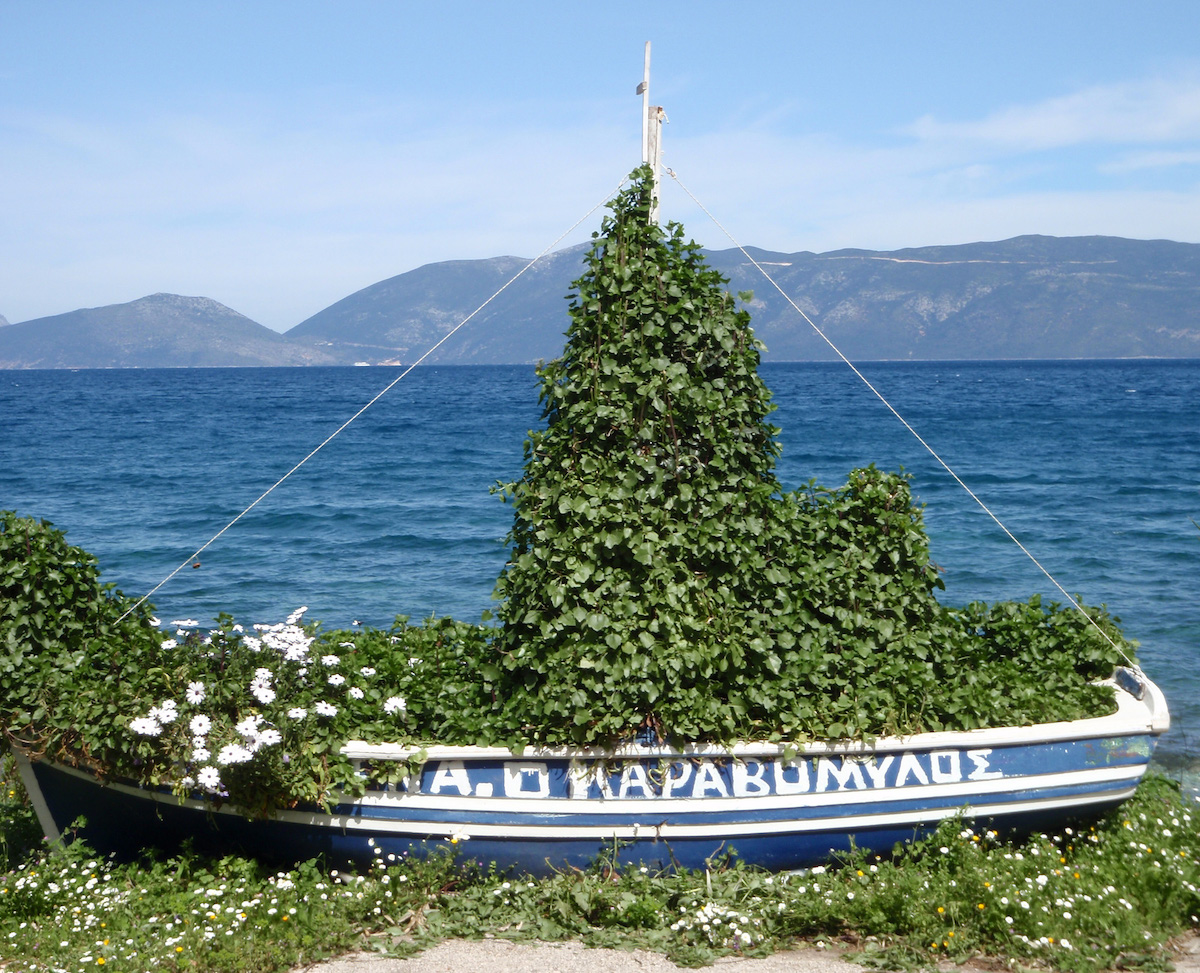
(355, 692)
(195, 693)
(170, 644)
(200, 755)
(248, 727)
(367, 671)
(297, 713)
(145, 726)
(234, 753)
(395, 704)
(209, 778)
(166, 712)
(325, 709)
(330, 660)
(200, 725)
(263, 693)
(336, 679)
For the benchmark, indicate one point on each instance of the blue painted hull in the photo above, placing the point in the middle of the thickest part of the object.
(542, 810)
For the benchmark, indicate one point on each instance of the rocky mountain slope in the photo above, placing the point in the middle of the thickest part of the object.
(159, 331)
(1028, 297)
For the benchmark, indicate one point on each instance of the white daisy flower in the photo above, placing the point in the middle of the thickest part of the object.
(209, 778)
(233, 753)
(269, 737)
(248, 727)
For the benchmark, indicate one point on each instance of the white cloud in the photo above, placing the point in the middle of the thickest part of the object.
(1142, 111)
(279, 214)
(278, 221)
(1142, 161)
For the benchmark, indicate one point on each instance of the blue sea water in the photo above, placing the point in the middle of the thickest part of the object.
(1094, 466)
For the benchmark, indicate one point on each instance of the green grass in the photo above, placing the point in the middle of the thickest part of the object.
(1098, 895)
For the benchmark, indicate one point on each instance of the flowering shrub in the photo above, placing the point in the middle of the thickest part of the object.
(253, 717)
(259, 717)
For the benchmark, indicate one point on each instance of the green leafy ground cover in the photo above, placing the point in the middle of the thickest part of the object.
(1105, 894)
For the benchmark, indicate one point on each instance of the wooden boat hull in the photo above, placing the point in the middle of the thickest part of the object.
(776, 807)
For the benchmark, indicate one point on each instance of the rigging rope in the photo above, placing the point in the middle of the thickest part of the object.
(446, 337)
(929, 449)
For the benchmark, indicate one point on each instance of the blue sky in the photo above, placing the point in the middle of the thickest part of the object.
(279, 156)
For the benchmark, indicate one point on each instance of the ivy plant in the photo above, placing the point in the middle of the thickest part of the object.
(661, 578)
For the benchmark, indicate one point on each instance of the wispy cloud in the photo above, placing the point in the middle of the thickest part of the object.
(275, 219)
(1141, 161)
(279, 214)
(1141, 111)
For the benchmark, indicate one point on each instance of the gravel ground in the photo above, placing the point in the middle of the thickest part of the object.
(501, 956)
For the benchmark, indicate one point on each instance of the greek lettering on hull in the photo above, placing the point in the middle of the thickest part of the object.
(701, 778)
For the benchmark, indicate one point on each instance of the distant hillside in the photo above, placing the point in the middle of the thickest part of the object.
(159, 331)
(1029, 297)
(401, 317)
(3, 321)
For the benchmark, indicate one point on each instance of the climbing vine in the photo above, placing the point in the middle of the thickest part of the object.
(660, 576)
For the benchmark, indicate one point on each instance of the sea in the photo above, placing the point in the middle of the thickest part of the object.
(1094, 466)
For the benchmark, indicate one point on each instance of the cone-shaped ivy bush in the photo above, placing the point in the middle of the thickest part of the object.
(661, 578)
(659, 574)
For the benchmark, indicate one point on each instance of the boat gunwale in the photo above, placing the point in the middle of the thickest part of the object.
(1133, 717)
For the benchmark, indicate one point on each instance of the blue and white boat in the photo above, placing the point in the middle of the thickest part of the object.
(776, 806)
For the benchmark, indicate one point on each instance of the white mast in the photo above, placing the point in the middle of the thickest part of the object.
(652, 118)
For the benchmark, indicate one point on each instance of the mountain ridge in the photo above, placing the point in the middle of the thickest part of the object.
(159, 330)
(1031, 296)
